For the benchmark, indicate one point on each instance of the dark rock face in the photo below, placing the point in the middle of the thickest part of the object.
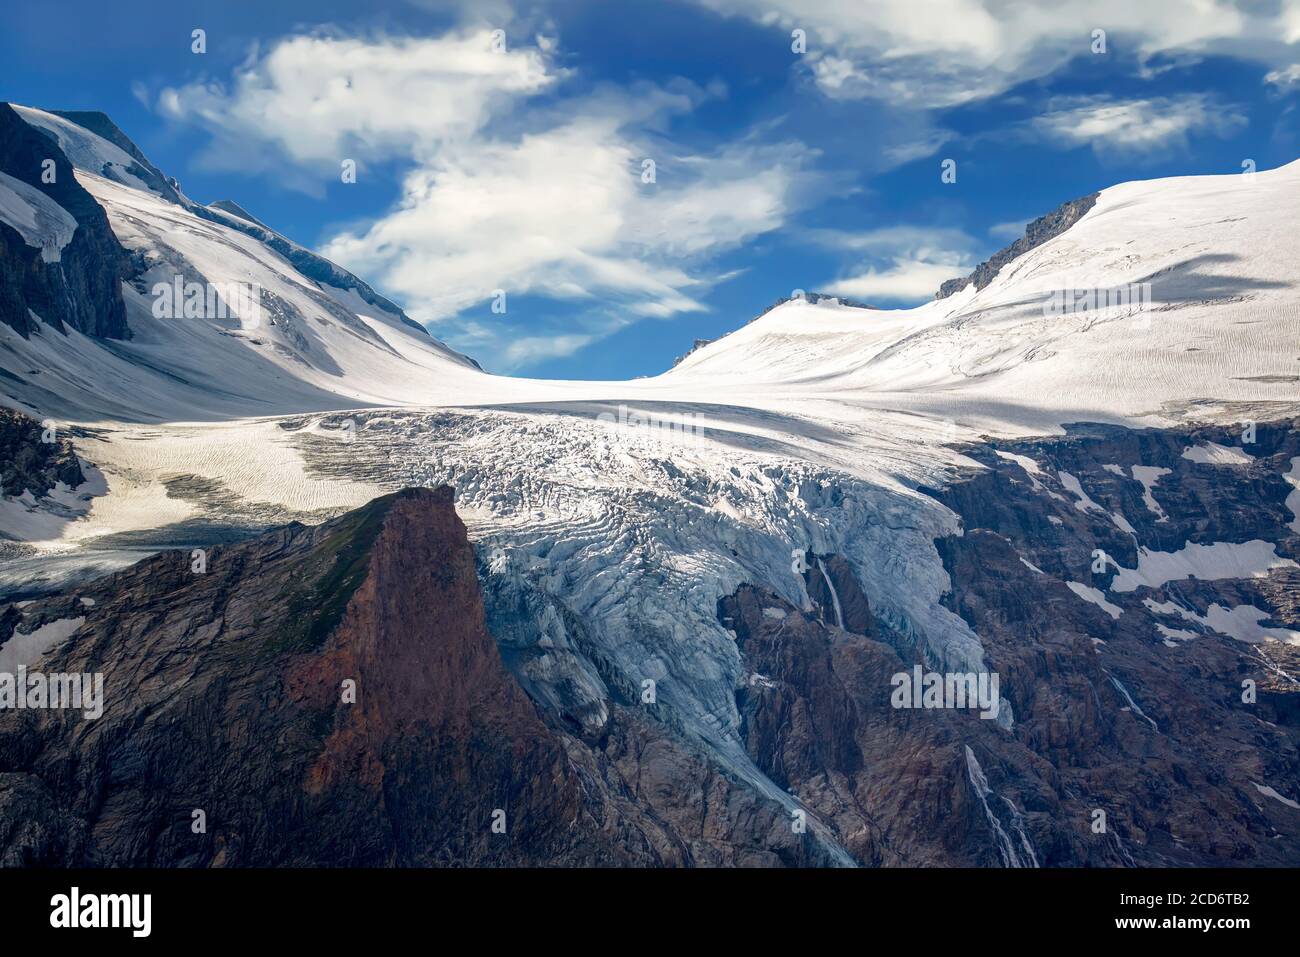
(1109, 718)
(1181, 766)
(892, 784)
(1036, 233)
(225, 694)
(30, 464)
(83, 289)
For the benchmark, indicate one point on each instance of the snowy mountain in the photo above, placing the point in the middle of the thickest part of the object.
(318, 337)
(1219, 323)
(766, 533)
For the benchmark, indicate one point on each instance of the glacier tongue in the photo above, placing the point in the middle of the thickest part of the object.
(643, 540)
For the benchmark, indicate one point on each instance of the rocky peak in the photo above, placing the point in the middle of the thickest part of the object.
(1036, 233)
(331, 695)
(323, 695)
(78, 285)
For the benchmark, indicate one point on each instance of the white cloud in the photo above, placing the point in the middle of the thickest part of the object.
(936, 53)
(319, 99)
(564, 213)
(1134, 127)
(1290, 16)
(905, 280)
(1284, 79)
(528, 349)
(544, 201)
(1008, 232)
(899, 263)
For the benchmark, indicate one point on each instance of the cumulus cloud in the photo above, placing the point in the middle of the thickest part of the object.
(936, 53)
(567, 213)
(1134, 127)
(318, 99)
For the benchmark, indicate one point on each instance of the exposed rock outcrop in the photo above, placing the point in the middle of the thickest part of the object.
(1036, 233)
(695, 346)
(81, 286)
(228, 692)
(28, 463)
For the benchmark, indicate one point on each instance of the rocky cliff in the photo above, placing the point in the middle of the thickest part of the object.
(30, 463)
(1150, 727)
(331, 696)
(77, 286)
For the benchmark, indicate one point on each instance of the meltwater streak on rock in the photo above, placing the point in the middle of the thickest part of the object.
(1009, 854)
(1119, 686)
(835, 598)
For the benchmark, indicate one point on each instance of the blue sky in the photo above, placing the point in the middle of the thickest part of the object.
(515, 161)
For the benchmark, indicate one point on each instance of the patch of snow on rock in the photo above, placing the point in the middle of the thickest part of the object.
(1241, 622)
(1267, 791)
(41, 221)
(1253, 559)
(1084, 503)
(1149, 475)
(1293, 500)
(1088, 593)
(27, 649)
(1213, 454)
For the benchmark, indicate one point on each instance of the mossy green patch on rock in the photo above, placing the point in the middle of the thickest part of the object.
(339, 566)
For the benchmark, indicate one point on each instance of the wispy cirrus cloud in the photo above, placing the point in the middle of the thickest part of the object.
(940, 53)
(1131, 128)
(898, 264)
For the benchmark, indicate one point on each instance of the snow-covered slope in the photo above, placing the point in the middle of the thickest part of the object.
(311, 344)
(1220, 255)
(87, 150)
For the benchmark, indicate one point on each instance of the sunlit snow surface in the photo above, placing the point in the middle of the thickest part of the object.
(816, 424)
